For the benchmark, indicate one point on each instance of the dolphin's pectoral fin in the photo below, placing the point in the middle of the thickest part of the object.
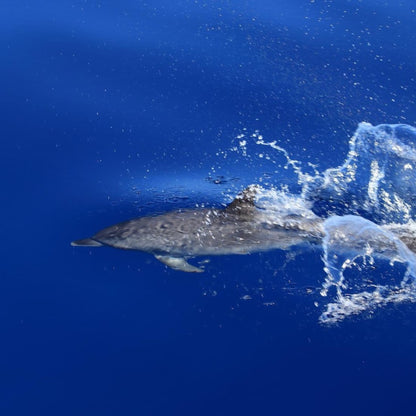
(178, 263)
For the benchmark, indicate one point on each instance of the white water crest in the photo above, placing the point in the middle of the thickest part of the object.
(354, 248)
(367, 206)
(378, 177)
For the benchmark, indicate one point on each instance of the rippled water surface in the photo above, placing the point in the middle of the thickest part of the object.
(111, 111)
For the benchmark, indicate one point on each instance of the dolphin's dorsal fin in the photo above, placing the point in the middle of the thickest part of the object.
(244, 201)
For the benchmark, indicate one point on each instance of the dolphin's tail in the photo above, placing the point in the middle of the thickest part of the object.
(86, 242)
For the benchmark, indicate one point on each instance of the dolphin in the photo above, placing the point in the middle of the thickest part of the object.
(239, 228)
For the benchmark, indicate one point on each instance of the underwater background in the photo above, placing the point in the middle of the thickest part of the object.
(115, 110)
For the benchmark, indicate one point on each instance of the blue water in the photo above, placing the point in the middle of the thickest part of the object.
(111, 111)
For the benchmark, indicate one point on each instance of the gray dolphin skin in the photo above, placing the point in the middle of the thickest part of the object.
(240, 228)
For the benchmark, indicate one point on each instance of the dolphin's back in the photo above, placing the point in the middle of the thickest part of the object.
(182, 232)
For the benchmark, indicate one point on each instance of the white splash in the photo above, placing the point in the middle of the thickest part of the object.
(377, 180)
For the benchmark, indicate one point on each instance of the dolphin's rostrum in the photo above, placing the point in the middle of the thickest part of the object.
(240, 228)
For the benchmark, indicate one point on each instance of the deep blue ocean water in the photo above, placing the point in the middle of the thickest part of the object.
(113, 110)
